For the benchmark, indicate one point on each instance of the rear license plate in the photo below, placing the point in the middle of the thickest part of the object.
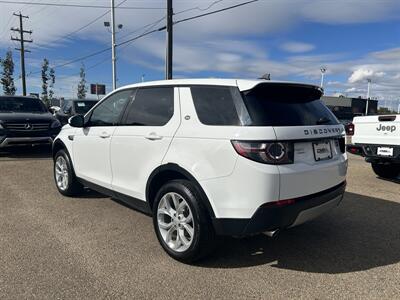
(385, 151)
(322, 150)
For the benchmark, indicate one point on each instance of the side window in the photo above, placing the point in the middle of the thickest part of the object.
(151, 107)
(219, 105)
(109, 111)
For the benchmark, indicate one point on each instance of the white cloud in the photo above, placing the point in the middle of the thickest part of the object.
(297, 47)
(363, 74)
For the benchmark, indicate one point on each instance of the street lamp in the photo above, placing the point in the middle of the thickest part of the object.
(368, 91)
(113, 44)
(323, 71)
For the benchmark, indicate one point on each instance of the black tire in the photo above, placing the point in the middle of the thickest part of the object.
(389, 171)
(203, 241)
(73, 187)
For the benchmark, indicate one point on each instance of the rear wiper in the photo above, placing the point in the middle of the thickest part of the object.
(323, 120)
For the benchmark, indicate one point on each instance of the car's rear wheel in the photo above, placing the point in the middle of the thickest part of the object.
(386, 171)
(64, 176)
(181, 222)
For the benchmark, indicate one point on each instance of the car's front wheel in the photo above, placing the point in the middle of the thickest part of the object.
(64, 176)
(181, 222)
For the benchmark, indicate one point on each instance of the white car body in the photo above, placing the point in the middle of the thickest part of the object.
(124, 159)
(377, 138)
(377, 130)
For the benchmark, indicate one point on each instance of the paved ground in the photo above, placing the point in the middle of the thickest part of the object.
(93, 247)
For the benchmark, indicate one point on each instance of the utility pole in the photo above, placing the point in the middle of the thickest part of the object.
(22, 50)
(368, 90)
(114, 67)
(169, 54)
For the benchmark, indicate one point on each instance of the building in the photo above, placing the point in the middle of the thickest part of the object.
(346, 108)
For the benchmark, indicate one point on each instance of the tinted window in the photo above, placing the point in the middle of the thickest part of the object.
(216, 105)
(66, 106)
(16, 104)
(82, 107)
(287, 105)
(108, 112)
(151, 107)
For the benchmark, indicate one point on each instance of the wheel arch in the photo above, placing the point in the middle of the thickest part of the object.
(168, 172)
(57, 146)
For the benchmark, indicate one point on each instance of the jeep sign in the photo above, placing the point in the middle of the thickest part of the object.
(386, 128)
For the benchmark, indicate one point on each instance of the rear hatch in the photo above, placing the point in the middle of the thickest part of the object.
(303, 123)
(377, 130)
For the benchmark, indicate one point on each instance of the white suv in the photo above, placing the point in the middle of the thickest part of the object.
(208, 157)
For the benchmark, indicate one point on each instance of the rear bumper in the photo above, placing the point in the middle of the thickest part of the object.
(269, 217)
(24, 141)
(369, 151)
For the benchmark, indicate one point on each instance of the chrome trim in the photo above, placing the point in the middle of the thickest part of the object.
(22, 141)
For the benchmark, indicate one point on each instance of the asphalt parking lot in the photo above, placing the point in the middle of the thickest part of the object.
(93, 247)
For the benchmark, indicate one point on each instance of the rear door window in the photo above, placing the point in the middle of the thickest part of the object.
(287, 105)
(219, 105)
(151, 107)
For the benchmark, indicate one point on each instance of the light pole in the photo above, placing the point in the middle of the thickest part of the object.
(368, 90)
(323, 71)
(113, 45)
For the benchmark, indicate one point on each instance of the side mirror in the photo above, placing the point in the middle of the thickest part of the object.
(77, 121)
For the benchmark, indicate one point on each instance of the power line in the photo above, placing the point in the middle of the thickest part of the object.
(78, 5)
(151, 25)
(84, 26)
(198, 8)
(215, 11)
(145, 34)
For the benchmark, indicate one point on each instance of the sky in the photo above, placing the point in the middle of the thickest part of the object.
(290, 39)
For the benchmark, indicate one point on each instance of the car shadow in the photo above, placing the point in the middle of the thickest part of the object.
(395, 180)
(91, 194)
(362, 233)
(28, 152)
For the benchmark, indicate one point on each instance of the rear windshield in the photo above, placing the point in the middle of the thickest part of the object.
(16, 104)
(287, 105)
(82, 107)
(271, 104)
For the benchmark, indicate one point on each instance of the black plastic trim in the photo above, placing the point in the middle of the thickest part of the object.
(135, 203)
(178, 169)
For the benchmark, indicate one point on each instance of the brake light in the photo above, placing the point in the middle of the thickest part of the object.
(350, 129)
(276, 153)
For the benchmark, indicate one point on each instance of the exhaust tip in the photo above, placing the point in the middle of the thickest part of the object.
(272, 234)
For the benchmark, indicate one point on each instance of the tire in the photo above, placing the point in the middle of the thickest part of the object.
(173, 233)
(386, 171)
(69, 186)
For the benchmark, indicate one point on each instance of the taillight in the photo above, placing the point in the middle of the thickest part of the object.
(276, 153)
(342, 144)
(350, 129)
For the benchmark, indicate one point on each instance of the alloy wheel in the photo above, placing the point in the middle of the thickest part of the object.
(175, 222)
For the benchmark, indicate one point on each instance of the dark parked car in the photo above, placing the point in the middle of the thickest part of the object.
(71, 108)
(26, 121)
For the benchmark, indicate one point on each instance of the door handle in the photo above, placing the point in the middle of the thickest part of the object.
(153, 136)
(105, 135)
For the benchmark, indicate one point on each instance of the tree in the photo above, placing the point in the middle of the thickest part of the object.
(7, 79)
(82, 89)
(45, 79)
(52, 76)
